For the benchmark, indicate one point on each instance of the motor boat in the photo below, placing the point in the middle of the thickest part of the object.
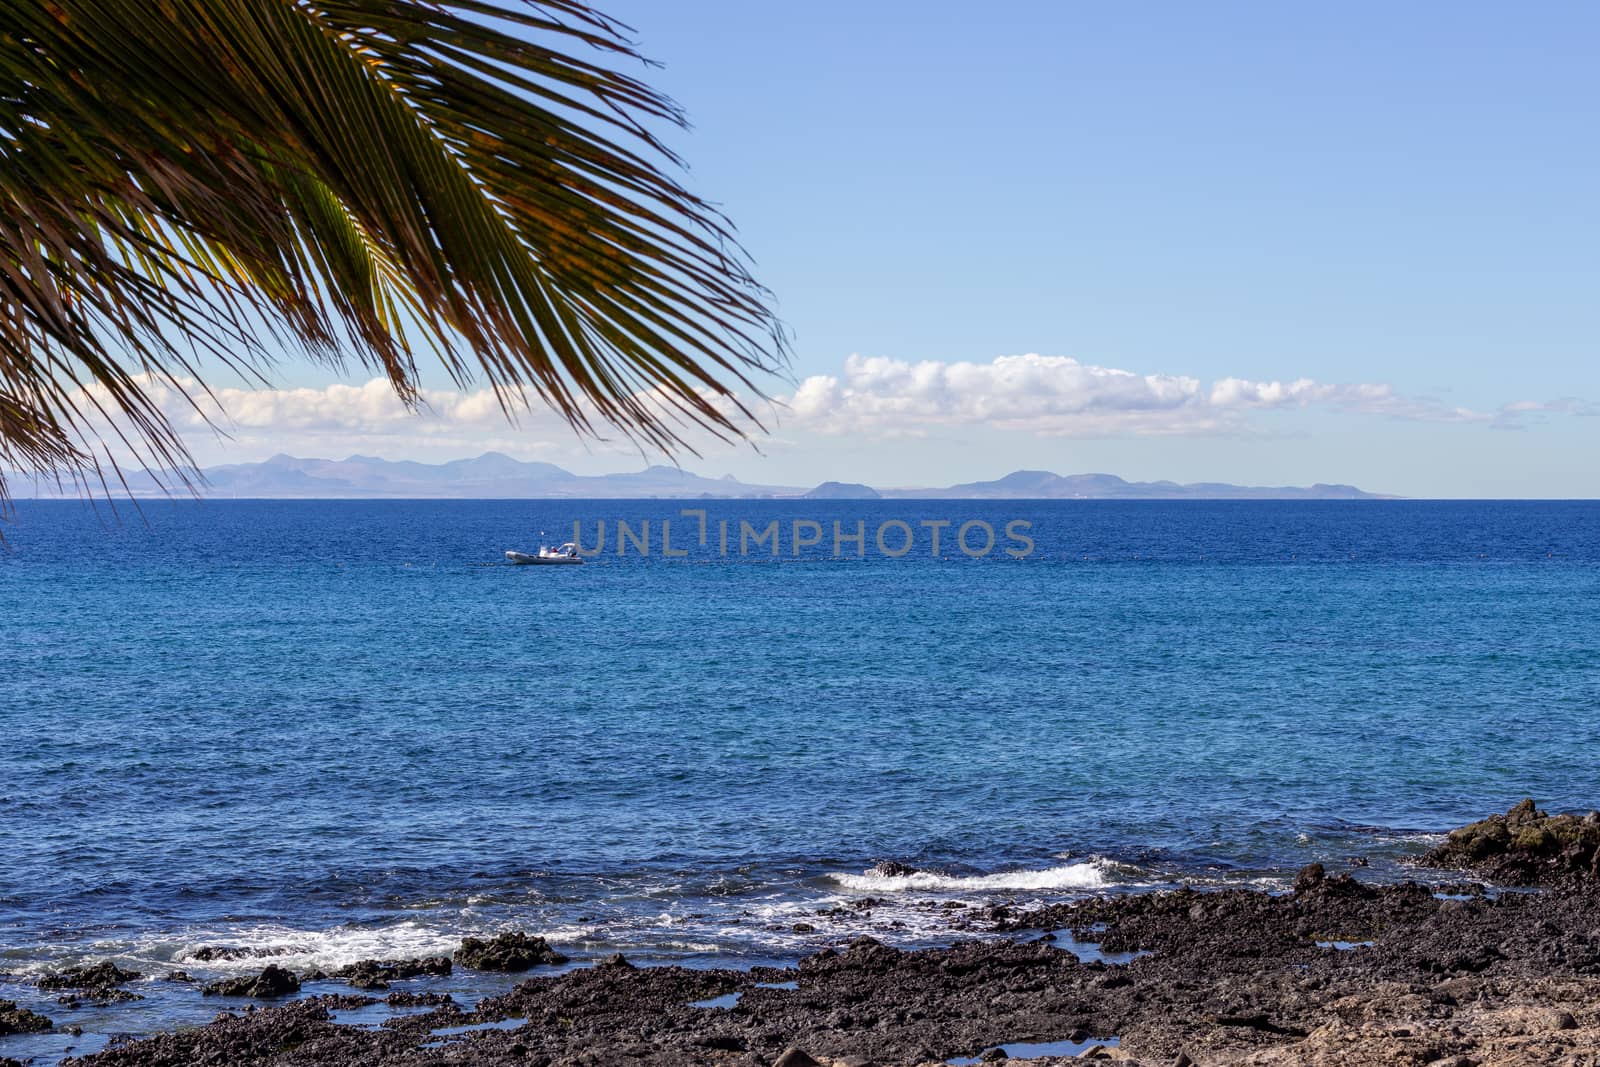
(567, 553)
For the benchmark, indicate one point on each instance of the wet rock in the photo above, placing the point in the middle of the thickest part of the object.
(15, 1020)
(892, 869)
(1310, 877)
(210, 953)
(348, 1001)
(95, 984)
(377, 974)
(179, 976)
(510, 952)
(803, 928)
(274, 981)
(1314, 881)
(1231, 976)
(1525, 846)
(100, 997)
(100, 975)
(412, 999)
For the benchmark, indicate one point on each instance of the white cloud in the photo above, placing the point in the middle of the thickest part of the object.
(1057, 396)
(357, 410)
(880, 397)
(234, 424)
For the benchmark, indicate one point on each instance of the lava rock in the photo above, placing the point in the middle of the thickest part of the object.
(348, 1001)
(99, 996)
(96, 984)
(100, 975)
(272, 982)
(409, 999)
(377, 974)
(15, 1020)
(209, 953)
(795, 1057)
(510, 952)
(1310, 877)
(893, 869)
(1525, 846)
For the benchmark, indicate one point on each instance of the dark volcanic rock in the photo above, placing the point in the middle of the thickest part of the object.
(1525, 846)
(260, 1037)
(104, 973)
(377, 974)
(508, 952)
(1233, 976)
(15, 1020)
(892, 869)
(96, 984)
(1339, 973)
(208, 953)
(99, 996)
(1311, 877)
(796, 1057)
(409, 999)
(272, 982)
(348, 1001)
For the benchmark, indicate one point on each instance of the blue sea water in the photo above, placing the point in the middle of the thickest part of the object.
(331, 730)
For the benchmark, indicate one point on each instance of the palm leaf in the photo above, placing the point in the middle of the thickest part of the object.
(187, 184)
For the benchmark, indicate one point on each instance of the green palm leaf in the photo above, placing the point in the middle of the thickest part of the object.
(185, 183)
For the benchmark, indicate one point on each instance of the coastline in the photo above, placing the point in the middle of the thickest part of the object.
(1335, 971)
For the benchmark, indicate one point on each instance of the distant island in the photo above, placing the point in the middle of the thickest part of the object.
(494, 476)
(843, 491)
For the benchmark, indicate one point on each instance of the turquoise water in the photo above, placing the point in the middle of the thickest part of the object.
(336, 729)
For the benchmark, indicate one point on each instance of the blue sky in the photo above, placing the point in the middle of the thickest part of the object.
(1397, 203)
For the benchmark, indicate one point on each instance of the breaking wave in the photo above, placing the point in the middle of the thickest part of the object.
(1090, 874)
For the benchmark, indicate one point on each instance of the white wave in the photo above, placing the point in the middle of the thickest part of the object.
(1087, 875)
(1416, 837)
(325, 949)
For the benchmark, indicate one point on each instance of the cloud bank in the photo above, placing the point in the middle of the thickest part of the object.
(876, 397)
(1057, 396)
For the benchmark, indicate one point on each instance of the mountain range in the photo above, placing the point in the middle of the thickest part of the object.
(496, 476)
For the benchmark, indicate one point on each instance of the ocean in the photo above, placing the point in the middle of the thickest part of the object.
(336, 730)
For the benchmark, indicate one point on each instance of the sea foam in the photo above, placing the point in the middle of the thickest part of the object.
(1089, 874)
(328, 949)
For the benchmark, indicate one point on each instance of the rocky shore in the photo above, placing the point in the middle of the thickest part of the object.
(1435, 971)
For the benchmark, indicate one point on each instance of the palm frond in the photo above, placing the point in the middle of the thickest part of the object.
(192, 183)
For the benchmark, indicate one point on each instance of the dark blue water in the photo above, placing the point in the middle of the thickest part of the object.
(344, 729)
